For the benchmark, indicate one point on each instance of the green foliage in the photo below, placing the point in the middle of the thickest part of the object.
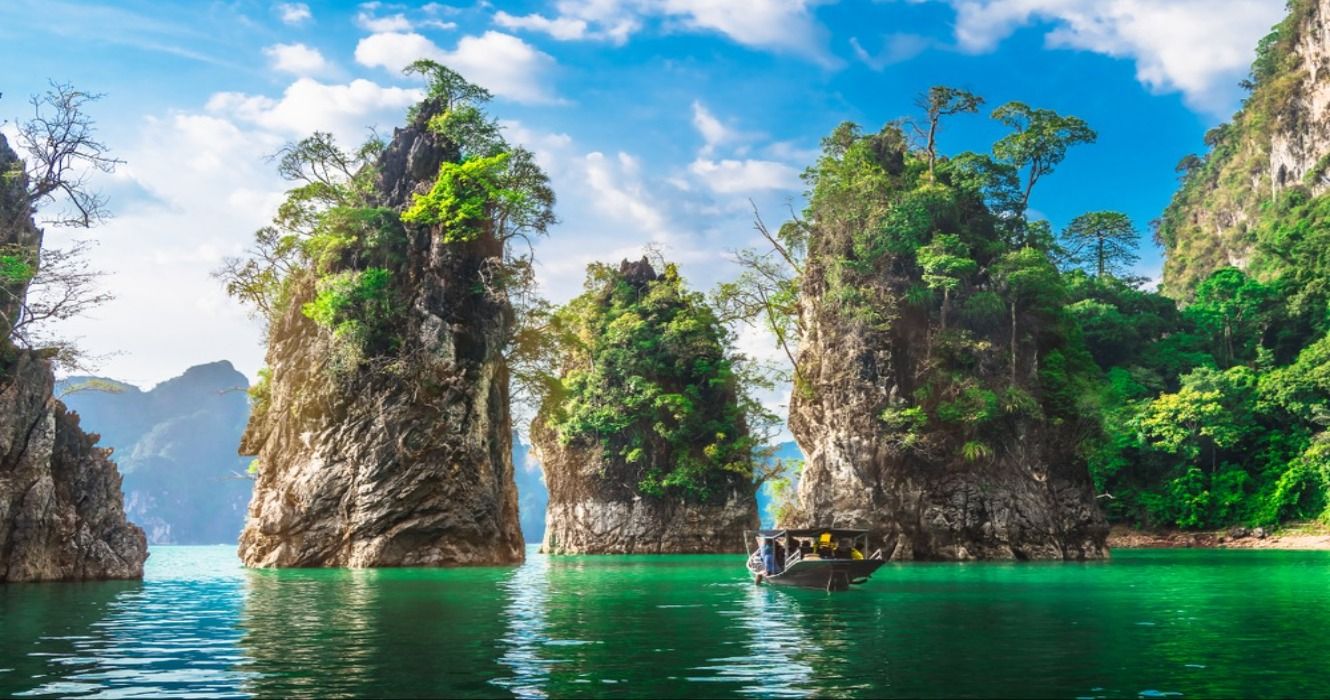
(647, 378)
(16, 269)
(360, 309)
(459, 200)
(1104, 242)
(260, 395)
(1038, 142)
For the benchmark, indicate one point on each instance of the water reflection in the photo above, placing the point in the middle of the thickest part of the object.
(168, 637)
(526, 636)
(774, 660)
(1203, 624)
(388, 632)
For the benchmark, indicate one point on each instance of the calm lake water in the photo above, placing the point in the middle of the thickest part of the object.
(1148, 623)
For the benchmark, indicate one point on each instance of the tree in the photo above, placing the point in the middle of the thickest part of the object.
(942, 101)
(1236, 311)
(1031, 284)
(945, 262)
(767, 292)
(59, 155)
(1105, 241)
(1039, 143)
(62, 153)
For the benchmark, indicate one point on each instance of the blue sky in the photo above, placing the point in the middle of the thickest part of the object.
(657, 119)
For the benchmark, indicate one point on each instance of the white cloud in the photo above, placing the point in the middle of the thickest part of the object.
(561, 28)
(1200, 48)
(307, 105)
(369, 21)
(713, 132)
(501, 63)
(296, 59)
(217, 188)
(293, 13)
(778, 25)
(738, 176)
(395, 51)
(896, 48)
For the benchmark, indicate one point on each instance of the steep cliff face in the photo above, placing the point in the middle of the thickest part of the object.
(1279, 141)
(61, 514)
(643, 443)
(937, 381)
(175, 445)
(403, 458)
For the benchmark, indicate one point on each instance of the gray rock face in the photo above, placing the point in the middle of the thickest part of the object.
(595, 505)
(61, 512)
(1034, 500)
(404, 462)
(590, 513)
(1278, 140)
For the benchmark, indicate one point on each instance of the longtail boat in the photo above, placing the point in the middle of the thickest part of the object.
(829, 558)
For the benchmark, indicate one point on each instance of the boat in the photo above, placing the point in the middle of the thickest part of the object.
(829, 558)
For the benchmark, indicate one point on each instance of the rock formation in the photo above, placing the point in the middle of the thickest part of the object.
(1278, 142)
(648, 452)
(945, 440)
(403, 458)
(175, 445)
(61, 513)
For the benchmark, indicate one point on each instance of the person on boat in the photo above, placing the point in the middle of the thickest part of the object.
(824, 547)
(769, 555)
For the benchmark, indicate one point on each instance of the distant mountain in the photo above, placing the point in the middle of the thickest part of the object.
(176, 447)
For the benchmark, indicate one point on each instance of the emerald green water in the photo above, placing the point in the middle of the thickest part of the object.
(1198, 623)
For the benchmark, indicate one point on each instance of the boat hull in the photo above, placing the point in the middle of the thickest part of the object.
(827, 574)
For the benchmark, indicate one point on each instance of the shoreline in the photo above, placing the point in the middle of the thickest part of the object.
(1294, 537)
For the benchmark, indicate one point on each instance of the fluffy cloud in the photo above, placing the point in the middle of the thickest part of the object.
(391, 23)
(1197, 47)
(296, 59)
(293, 13)
(394, 51)
(778, 25)
(561, 28)
(308, 105)
(738, 176)
(212, 187)
(502, 63)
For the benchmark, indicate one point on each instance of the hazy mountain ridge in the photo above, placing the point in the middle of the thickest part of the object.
(176, 447)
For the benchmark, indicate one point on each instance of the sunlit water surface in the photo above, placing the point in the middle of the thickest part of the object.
(1148, 623)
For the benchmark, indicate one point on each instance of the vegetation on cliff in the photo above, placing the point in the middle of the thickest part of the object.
(645, 373)
(1216, 413)
(1200, 415)
(901, 238)
(334, 234)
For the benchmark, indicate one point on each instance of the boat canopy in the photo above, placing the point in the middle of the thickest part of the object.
(836, 532)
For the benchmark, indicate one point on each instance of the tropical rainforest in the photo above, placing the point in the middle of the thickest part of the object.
(1199, 406)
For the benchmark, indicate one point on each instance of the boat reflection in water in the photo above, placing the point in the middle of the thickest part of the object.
(828, 558)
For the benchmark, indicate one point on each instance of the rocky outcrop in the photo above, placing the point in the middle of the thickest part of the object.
(1033, 500)
(175, 445)
(593, 511)
(61, 513)
(404, 459)
(947, 441)
(609, 496)
(1278, 141)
